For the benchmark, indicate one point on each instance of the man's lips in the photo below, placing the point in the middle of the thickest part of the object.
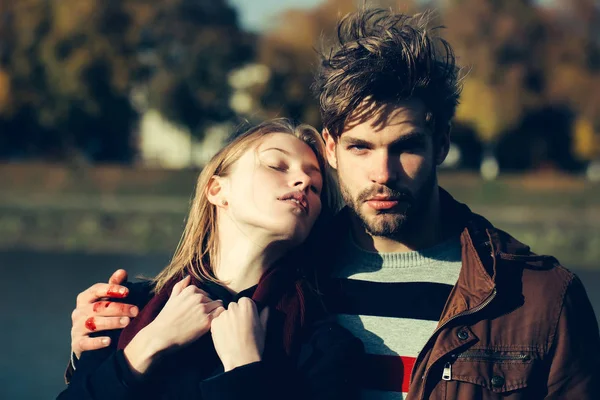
(384, 203)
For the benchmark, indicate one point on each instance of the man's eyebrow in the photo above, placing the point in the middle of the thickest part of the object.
(348, 140)
(406, 138)
(413, 136)
(310, 167)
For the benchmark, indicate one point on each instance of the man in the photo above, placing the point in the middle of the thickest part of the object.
(448, 306)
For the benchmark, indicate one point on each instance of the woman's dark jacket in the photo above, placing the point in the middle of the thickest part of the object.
(323, 366)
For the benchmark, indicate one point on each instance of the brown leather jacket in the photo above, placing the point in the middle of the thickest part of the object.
(516, 325)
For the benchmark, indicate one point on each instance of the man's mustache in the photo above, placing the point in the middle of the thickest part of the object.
(384, 191)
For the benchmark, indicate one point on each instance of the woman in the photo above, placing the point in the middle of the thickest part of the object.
(232, 315)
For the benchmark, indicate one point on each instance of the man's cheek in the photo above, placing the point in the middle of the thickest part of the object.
(413, 166)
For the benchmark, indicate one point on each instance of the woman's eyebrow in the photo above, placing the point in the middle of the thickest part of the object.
(309, 167)
(278, 149)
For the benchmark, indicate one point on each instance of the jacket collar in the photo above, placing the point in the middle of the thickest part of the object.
(484, 274)
(476, 280)
(482, 247)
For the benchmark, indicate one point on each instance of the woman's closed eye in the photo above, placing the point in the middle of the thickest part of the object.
(278, 167)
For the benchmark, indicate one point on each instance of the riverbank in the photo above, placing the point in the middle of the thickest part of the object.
(142, 211)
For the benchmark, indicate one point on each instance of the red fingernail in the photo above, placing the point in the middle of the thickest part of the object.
(122, 292)
(90, 324)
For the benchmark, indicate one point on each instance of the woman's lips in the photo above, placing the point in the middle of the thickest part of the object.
(296, 204)
(296, 199)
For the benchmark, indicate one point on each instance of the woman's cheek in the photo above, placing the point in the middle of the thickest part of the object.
(316, 208)
(264, 183)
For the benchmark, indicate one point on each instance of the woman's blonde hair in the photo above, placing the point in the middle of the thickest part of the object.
(198, 244)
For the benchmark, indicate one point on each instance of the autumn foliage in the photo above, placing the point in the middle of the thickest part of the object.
(76, 74)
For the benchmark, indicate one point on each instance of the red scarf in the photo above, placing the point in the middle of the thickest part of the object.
(280, 287)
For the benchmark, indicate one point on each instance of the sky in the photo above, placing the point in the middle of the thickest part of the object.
(254, 15)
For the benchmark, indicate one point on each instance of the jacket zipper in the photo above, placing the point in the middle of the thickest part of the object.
(448, 367)
(477, 355)
(447, 373)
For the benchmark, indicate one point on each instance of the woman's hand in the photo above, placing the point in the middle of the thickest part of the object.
(186, 316)
(239, 334)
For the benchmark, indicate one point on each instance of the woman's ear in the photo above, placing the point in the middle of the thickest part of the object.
(215, 191)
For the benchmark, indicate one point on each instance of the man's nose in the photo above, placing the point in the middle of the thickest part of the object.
(382, 169)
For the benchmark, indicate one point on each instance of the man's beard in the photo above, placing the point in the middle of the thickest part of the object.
(392, 223)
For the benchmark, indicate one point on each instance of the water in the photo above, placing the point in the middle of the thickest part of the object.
(37, 297)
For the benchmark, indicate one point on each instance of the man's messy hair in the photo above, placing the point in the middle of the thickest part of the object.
(380, 58)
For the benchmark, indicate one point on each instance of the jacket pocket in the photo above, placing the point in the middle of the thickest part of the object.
(485, 372)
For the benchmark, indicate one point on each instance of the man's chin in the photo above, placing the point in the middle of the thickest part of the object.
(385, 224)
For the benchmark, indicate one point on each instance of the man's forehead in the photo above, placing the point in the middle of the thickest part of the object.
(406, 116)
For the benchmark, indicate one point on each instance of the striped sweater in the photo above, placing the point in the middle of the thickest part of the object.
(392, 302)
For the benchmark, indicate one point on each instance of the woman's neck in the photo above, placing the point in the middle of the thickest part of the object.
(241, 262)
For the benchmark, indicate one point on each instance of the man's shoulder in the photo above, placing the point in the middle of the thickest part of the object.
(543, 278)
(516, 263)
(536, 288)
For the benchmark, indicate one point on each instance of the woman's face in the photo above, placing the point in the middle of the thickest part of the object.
(275, 188)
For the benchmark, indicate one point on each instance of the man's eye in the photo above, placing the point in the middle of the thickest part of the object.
(357, 147)
(277, 167)
(315, 189)
(416, 149)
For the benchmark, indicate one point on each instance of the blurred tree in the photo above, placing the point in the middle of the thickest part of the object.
(542, 140)
(527, 65)
(70, 68)
(586, 140)
(196, 43)
(289, 50)
(572, 57)
(493, 41)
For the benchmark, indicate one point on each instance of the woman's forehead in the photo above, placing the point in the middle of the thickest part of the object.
(287, 144)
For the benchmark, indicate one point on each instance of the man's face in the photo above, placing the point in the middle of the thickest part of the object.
(387, 170)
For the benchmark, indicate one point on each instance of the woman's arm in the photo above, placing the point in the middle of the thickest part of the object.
(110, 374)
(103, 374)
(326, 370)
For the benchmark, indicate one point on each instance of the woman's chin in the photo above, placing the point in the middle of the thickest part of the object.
(294, 236)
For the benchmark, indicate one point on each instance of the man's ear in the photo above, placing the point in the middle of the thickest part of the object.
(443, 145)
(215, 191)
(330, 144)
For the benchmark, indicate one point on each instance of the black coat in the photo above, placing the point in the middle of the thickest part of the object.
(324, 367)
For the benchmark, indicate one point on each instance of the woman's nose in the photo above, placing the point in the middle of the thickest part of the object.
(301, 181)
